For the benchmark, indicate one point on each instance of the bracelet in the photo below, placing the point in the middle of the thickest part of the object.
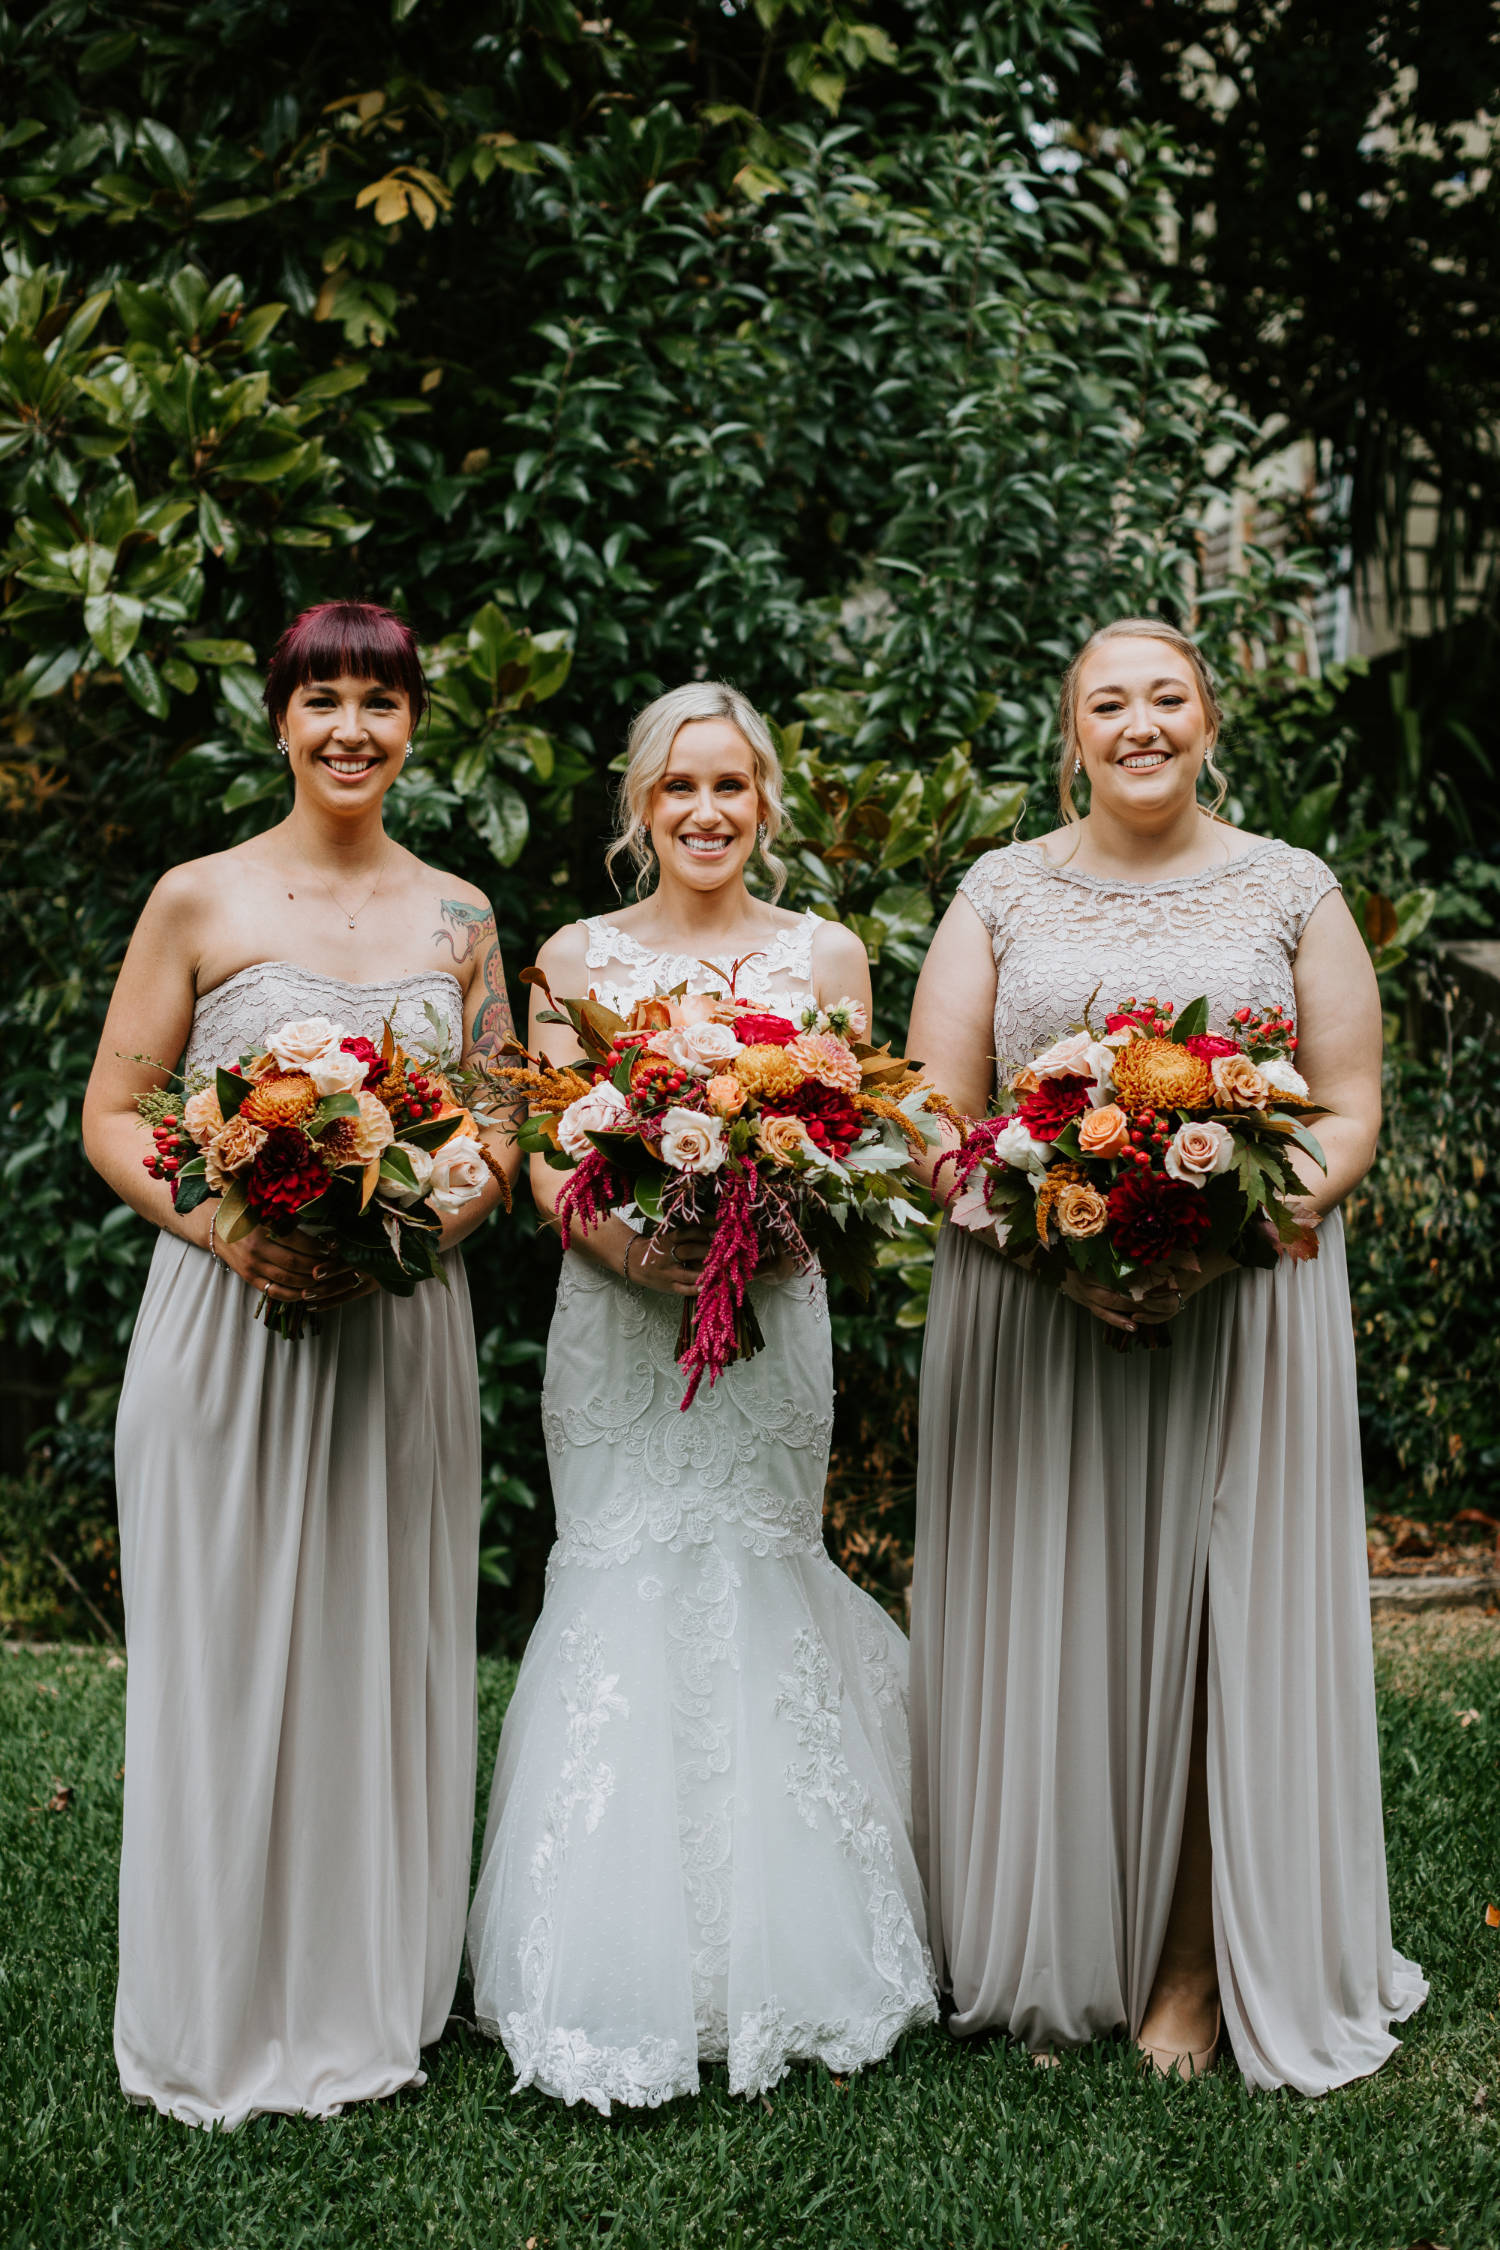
(213, 1247)
(625, 1261)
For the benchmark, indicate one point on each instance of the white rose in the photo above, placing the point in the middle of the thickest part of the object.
(691, 1142)
(421, 1162)
(1064, 1058)
(1014, 1145)
(600, 1110)
(1282, 1073)
(1199, 1151)
(458, 1174)
(700, 1048)
(709, 1046)
(1080, 1056)
(337, 1073)
(312, 1043)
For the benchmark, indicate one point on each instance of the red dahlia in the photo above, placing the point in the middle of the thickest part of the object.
(1207, 1044)
(830, 1117)
(1056, 1102)
(753, 1030)
(369, 1054)
(1151, 1217)
(284, 1177)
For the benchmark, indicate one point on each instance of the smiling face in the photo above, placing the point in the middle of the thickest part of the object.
(706, 805)
(346, 741)
(1143, 732)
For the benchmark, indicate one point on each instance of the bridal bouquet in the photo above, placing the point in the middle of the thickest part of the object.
(1143, 1145)
(328, 1134)
(776, 1137)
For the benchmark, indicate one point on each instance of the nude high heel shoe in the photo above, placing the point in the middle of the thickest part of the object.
(1190, 2064)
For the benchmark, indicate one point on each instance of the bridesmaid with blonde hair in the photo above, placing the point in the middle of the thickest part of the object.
(1147, 1790)
(698, 1843)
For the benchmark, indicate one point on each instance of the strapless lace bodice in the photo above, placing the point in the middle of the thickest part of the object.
(234, 1018)
(1230, 933)
(623, 971)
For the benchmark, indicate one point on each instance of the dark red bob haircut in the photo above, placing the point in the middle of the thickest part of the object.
(357, 639)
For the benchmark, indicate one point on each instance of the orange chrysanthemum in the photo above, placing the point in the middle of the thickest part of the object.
(767, 1072)
(1158, 1074)
(289, 1100)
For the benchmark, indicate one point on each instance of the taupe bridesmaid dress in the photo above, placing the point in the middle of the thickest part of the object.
(1082, 1514)
(299, 1550)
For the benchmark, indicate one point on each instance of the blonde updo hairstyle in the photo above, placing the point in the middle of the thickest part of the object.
(648, 753)
(1070, 760)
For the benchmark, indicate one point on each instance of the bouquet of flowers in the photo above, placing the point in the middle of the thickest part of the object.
(328, 1134)
(1146, 1144)
(777, 1137)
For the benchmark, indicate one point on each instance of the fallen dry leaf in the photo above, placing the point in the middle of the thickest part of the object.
(61, 1797)
(1492, 1916)
(1467, 1718)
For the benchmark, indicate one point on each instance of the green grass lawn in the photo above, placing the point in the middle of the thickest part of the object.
(944, 2145)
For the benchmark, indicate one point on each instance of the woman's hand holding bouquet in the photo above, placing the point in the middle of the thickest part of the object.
(1139, 1162)
(750, 1145)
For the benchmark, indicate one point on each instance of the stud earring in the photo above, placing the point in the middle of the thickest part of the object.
(283, 746)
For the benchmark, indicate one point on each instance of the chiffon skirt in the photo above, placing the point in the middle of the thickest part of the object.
(698, 1845)
(299, 1541)
(1082, 1516)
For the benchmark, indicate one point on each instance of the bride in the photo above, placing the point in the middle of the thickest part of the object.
(698, 1840)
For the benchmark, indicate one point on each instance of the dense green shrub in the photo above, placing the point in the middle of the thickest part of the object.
(1424, 1268)
(808, 348)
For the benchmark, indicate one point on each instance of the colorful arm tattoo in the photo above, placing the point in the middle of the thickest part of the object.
(469, 926)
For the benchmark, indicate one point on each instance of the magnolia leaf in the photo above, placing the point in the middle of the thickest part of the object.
(235, 1218)
(113, 622)
(231, 1090)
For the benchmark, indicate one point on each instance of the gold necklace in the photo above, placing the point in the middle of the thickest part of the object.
(351, 919)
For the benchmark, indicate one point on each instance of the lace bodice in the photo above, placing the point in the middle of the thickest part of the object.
(234, 1018)
(779, 978)
(1230, 933)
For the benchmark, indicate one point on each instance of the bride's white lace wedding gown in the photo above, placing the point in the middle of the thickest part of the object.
(698, 1844)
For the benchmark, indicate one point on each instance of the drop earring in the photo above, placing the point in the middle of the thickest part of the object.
(408, 753)
(760, 835)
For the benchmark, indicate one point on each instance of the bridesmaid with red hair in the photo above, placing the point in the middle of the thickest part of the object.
(299, 1522)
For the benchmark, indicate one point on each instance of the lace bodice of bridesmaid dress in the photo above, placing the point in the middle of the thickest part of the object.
(1230, 933)
(623, 971)
(234, 1018)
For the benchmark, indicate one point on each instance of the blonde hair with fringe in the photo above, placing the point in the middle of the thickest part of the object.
(648, 753)
(1070, 760)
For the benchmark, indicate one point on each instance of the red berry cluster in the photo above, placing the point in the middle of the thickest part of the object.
(1148, 1137)
(1274, 1028)
(171, 1144)
(419, 1098)
(623, 1041)
(654, 1079)
(1153, 1017)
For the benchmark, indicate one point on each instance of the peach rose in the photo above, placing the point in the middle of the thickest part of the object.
(725, 1095)
(1238, 1084)
(372, 1129)
(202, 1116)
(784, 1138)
(691, 1142)
(1103, 1132)
(1200, 1150)
(232, 1151)
(1080, 1210)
